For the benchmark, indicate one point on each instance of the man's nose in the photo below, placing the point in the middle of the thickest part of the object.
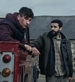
(28, 22)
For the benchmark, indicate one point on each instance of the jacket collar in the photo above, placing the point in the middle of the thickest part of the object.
(63, 37)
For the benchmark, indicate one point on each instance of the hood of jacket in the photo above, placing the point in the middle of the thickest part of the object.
(14, 20)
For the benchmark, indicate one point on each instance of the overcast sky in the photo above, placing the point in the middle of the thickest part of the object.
(39, 7)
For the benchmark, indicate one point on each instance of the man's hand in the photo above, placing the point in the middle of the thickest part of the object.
(69, 79)
(35, 51)
(27, 47)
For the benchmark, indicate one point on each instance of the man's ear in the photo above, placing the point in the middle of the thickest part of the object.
(18, 17)
(60, 28)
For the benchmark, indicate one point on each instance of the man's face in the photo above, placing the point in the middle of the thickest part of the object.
(24, 21)
(55, 29)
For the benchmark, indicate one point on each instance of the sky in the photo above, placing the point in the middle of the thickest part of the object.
(39, 7)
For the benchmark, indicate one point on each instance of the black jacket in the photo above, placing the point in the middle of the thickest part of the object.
(45, 44)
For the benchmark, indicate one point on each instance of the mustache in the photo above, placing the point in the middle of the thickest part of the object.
(52, 31)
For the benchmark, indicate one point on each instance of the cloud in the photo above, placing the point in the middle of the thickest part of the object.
(40, 7)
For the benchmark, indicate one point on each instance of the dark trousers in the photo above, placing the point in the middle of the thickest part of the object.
(35, 73)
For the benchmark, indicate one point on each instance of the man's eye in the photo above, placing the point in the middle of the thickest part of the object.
(30, 20)
(55, 27)
(51, 26)
(26, 18)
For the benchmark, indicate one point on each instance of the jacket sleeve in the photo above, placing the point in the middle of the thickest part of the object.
(6, 33)
(70, 58)
(38, 43)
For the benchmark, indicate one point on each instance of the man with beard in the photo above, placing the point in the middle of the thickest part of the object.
(55, 61)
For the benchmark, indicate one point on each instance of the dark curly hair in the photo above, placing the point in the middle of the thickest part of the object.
(25, 11)
(57, 21)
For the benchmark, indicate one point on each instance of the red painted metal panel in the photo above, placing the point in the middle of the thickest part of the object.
(21, 67)
(6, 46)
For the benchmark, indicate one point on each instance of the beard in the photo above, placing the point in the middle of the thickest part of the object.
(54, 33)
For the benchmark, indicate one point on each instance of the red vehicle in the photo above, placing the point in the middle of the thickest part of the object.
(15, 65)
